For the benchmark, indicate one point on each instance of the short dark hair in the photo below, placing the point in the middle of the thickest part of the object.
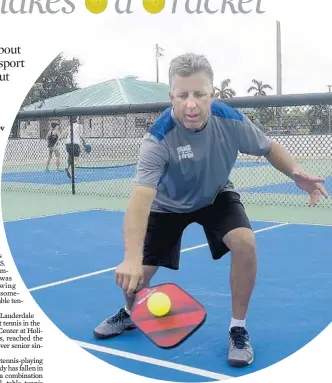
(188, 64)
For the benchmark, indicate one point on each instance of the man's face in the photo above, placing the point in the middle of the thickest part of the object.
(191, 98)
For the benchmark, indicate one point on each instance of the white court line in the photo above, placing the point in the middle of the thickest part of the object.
(122, 211)
(255, 231)
(310, 224)
(113, 268)
(71, 279)
(293, 223)
(54, 214)
(119, 211)
(154, 361)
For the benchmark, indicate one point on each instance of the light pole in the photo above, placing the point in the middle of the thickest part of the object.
(279, 64)
(329, 110)
(279, 74)
(159, 53)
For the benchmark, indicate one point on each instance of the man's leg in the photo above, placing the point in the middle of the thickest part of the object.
(227, 228)
(48, 159)
(161, 248)
(148, 273)
(77, 153)
(120, 322)
(68, 164)
(241, 243)
(69, 160)
(57, 158)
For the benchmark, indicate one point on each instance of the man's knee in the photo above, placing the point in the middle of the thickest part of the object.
(240, 241)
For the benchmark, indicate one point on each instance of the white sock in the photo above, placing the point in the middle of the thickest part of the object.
(127, 311)
(237, 323)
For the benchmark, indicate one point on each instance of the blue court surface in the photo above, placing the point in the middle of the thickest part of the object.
(60, 177)
(91, 174)
(67, 262)
(283, 188)
(249, 164)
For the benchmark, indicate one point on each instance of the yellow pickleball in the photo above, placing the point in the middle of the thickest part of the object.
(154, 6)
(159, 304)
(96, 6)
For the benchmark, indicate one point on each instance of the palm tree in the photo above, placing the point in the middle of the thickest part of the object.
(258, 88)
(224, 91)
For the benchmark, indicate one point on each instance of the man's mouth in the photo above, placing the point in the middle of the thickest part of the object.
(192, 117)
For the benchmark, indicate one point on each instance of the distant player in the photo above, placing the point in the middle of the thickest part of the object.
(52, 139)
(74, 150)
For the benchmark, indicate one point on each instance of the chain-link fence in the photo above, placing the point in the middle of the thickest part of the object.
(302, 123)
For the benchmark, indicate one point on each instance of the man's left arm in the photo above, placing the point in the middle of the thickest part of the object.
(253, 141)
(280, 158)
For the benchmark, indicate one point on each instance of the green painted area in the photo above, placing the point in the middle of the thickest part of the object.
(25, 205)
(112, 188)
(22, 200)
(267, 175)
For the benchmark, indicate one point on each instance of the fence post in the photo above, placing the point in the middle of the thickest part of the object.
(72, 156)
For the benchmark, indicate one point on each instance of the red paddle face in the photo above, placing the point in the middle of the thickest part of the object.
(184, 318)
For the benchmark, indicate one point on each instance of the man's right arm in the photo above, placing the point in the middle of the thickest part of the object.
(151, 164)
(136, 221)
(129, 273)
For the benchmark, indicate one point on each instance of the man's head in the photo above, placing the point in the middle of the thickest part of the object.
(54, 125)
(192, 90)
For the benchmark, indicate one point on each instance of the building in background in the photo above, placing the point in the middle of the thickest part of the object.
(124, 91)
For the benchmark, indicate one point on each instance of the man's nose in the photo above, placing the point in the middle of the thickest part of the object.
(191, 102)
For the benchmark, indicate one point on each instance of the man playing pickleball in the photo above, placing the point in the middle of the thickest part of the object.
(183, 177)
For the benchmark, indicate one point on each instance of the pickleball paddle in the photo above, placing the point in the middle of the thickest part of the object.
(184, 314)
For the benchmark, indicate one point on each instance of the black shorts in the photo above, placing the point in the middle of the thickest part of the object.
(164, 233)
(77, 150)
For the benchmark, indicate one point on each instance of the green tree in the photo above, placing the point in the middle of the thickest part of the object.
(224, 91)
(320, 118)
(259, 88)
(58, 78)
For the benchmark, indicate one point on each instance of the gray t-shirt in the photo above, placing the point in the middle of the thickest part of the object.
(188, 169)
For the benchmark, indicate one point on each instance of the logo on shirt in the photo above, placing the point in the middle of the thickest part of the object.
(185, 152)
